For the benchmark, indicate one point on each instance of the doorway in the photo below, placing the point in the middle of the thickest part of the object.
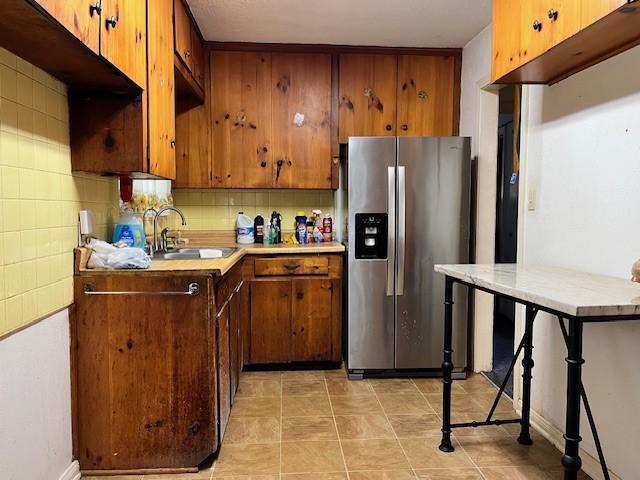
(506, 245)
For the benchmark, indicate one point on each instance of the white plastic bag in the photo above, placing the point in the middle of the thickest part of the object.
(105, 255)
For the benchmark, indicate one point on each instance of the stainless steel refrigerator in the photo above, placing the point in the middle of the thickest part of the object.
(406, 203)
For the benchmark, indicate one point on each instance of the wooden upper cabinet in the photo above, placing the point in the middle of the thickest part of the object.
(426, 90)
(301, 109)
(123, 37)
(367, 105)
(197, 58)
(80, 17)
(193, 159)
(594, 10)
(182, 25)
(241, 119)
(161, 90)
(506, 27)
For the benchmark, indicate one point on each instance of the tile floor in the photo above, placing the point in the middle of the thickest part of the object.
(317, 425)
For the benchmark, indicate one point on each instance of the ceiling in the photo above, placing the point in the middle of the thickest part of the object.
(399, 23)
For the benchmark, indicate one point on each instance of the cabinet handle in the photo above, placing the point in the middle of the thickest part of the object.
(173, 143)
(111, 21)
(291, 266)
(404, 127)
(97, 8)
(388, 127)
(187, 53)
(279, 164)
(537, 25)
(552, 14)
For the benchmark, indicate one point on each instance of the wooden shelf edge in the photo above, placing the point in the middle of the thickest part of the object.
(187, 89)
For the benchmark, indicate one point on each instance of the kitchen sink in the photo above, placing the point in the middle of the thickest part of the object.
(194, 253)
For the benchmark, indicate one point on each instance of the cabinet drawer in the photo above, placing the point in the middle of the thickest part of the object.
(292, 266)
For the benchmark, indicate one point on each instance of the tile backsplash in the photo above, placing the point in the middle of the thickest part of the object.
(217, 209)
(39, 196)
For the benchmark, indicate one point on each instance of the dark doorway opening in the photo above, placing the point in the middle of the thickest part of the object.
(506, 230)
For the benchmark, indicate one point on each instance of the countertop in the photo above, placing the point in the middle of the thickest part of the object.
(220, 266)
(567, 291)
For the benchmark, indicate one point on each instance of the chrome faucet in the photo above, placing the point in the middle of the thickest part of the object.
(162, 245)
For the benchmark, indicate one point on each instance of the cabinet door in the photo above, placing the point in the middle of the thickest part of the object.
(161, 91)
(182, 26)
(301, 120)
(241, 111)
(565, 19)
(235, 347)
(426, 86)
(193, 159)
(78, 17)
(312, 320)
(594, 10)
(506, 31)
(224, 369)
(123, 38)
(536, 31)
(197, 58)
(367, 95)
(270, 340)
(143, 368)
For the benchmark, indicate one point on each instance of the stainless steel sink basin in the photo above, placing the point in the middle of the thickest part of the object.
(192, 253)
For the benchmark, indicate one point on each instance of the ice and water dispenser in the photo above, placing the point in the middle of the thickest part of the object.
(371, 235)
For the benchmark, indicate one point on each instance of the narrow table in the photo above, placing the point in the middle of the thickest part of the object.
(571, 296)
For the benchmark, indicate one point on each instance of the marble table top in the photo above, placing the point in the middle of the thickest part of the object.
(562, 290)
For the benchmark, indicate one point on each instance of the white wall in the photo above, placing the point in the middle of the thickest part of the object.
(35, 403)
(479, 120)
(582, 158)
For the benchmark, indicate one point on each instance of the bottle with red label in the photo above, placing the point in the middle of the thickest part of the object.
(327, 226)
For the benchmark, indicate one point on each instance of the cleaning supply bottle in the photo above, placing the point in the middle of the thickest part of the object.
(244, 228)
(258, 229)
(327, 225)
(129, 230)
(301, 228)
(276, 228)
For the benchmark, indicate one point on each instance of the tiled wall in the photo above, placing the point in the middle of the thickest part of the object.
(217, 209)
(39, 197)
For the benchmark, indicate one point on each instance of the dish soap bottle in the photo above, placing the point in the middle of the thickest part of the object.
(129, 230)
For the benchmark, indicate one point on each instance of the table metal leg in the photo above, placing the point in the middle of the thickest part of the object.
(571, 458)
(447, 367)
(527, 365)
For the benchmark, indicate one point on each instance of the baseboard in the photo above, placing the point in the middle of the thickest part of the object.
(72, 472)
(590, 464)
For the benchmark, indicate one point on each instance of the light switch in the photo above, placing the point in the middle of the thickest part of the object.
(532, 199)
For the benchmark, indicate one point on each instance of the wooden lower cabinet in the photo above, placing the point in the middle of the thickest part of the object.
(296, 316)
(145, 389)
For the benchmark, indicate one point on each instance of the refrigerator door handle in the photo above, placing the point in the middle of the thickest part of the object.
(391, 244)
(401, 227)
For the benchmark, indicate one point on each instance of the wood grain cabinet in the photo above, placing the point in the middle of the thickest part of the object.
(296, 309)
(145, 372)
(544, 41)
(271, 119)
(188, 46)
(132, 134)
(80, 17)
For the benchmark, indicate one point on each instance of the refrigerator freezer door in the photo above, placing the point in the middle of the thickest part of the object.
(371, 166)
(435, 196)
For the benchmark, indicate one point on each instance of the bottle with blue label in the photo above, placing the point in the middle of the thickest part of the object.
(129, 230)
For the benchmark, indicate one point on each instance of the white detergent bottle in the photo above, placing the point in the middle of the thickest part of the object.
(244, 227)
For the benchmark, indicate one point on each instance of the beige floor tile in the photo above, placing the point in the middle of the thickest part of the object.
(423, 453)
(252, 430)
(246, 477)
(303, 386)
(315, 476)
(314, 405)
(406, 403)
(460, 403)
(498, 452)
(343, 386)
(557, 473)
(416, 426)
(394, 385)
(374, 455)
(254, 459)
(476, 383)
(449, 474)
(335, 373)
(434, 385)
(354, 427)
(302, 374)
(355, 405)
(311, 457)
(308, 428)
(259, 387)
(114, 477)
(514, 473)
(383, 475)
(486, 431)
(256, 407)
(485, 400)
(200, 475)
(266, 375)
